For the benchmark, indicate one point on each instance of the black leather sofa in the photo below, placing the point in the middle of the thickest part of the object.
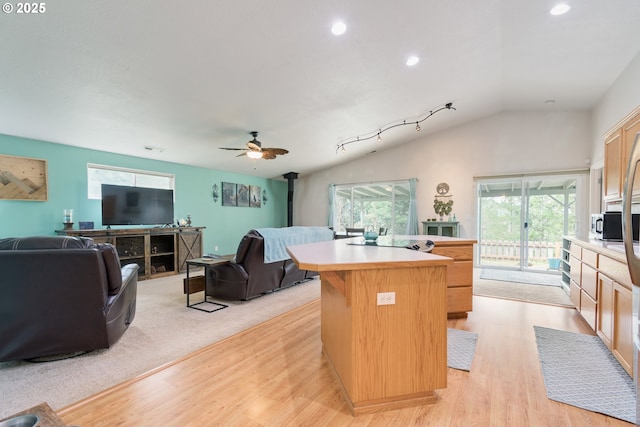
(248, 276)
(61, 295)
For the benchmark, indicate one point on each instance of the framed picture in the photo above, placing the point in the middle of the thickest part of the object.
(243, 195)
(255, 195)
(229, 194)
(22, 178)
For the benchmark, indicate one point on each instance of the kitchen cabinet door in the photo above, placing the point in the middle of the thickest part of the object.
(605, 309)
(613, 171)
(630, 131)
(622, 342)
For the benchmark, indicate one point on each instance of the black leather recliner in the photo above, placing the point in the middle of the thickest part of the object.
(62, 295)
(248, 276)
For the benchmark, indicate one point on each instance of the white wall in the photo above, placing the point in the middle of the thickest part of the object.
(621, 99)
(507, 143)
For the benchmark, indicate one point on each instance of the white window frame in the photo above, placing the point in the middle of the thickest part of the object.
(353, 186)
(125, 176)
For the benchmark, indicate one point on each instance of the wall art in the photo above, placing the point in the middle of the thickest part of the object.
(23, 178)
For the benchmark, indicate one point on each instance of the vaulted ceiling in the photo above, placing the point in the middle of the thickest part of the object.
(186, 78)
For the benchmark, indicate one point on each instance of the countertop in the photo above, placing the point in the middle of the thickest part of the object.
(613, 249)
(339, 255)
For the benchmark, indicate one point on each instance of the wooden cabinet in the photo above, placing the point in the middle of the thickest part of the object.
(157, 251)
(601, 290)
(618, 143)
(612, 179)
(583, 285)
(459, 277)
(605, 312)
(622, 339)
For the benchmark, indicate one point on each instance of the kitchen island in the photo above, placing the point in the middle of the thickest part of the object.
(383, 321)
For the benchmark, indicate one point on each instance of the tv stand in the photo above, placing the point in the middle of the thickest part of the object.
(159, 251)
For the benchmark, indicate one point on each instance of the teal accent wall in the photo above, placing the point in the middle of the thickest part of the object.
(67, 189)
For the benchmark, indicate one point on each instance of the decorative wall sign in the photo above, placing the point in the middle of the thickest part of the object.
(22, 178)
(255, 195)
(228, 194)
(241, 195)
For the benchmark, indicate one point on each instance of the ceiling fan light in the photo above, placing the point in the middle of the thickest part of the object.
(254, 154)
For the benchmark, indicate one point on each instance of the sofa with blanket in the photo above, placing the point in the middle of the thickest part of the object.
(261, 263)
(61, 295)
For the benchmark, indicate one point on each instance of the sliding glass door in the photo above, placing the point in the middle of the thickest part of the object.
(521, 221)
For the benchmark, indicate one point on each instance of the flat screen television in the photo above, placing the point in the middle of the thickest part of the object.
(122, 205)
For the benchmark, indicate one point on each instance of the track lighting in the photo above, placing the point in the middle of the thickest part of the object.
(342, 145)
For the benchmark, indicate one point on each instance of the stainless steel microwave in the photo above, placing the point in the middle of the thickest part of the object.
(608, 226)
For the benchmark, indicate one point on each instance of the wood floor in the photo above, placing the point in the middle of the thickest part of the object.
(275, 375)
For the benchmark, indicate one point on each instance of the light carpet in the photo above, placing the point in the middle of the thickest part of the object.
(163, 330)
(579, 370)
(539, 294)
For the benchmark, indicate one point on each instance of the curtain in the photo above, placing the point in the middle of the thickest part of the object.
(332, 197)
(412, 223)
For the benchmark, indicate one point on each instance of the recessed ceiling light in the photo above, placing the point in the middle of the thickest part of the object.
(338, 28)
(560, 9)
(412, 60)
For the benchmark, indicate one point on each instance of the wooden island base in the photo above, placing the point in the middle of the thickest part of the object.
(383, 322)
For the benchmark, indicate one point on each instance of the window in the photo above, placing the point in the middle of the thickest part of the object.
(372, 206)
(101, 174)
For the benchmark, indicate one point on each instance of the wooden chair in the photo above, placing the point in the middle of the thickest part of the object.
(355, 231)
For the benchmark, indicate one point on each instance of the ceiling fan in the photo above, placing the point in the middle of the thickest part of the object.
(254, 149)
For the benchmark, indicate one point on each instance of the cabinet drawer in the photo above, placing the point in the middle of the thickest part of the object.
(576, 269)
(460, 274)
(590, 258)
(455, 252)
(575, 294)
(459, 300)
(617, 270)
(576, 251)
(589, 283)
(588, 309)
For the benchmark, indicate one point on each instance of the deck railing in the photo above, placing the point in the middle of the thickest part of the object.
(504, 250)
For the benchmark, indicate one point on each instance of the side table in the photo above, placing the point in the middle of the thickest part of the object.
(204, 262)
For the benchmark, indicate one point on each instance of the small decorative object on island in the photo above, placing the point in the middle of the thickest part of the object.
(442, 203)
(68, 219)
(370, 235)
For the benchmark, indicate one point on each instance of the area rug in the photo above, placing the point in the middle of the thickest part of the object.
(579, 370)
(529, 277)
(461, 347)
(551, 295)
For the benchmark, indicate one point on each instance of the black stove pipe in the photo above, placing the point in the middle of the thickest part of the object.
(290, 177)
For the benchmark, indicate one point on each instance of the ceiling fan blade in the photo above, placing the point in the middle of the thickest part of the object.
(242, 154)
(226, 148)
(276, 150)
